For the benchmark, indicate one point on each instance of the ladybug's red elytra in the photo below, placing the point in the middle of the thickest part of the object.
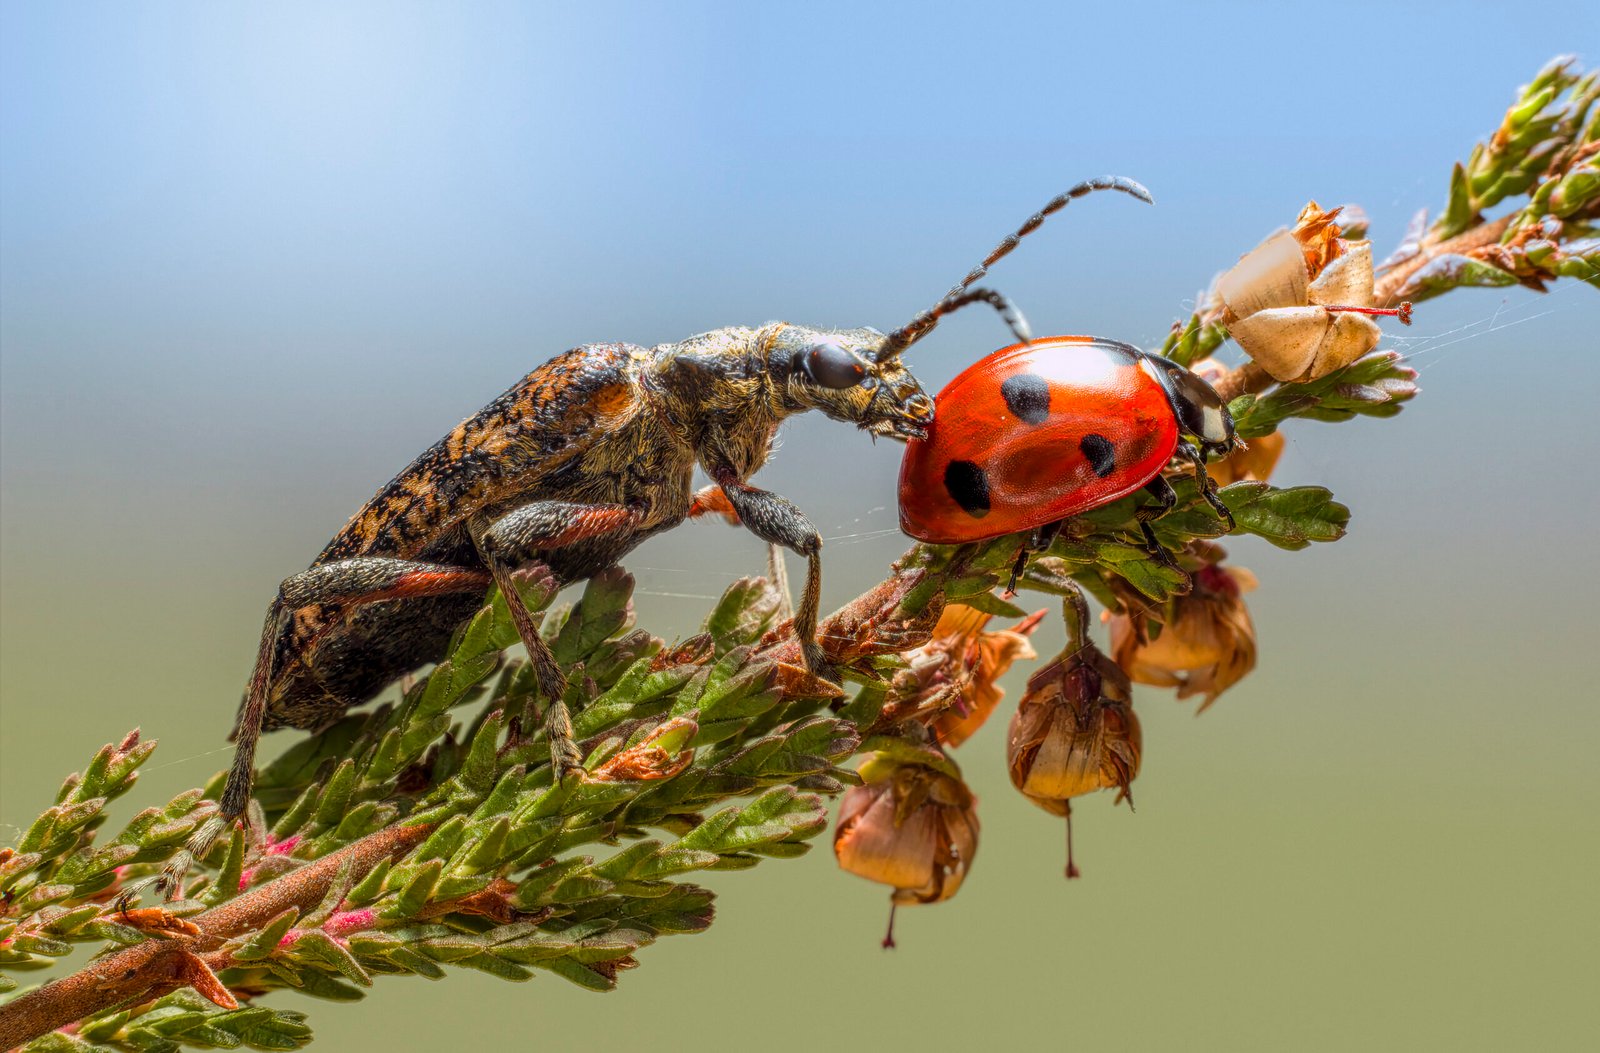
(1039, 432)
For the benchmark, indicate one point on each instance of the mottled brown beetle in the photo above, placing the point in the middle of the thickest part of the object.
(584, 458)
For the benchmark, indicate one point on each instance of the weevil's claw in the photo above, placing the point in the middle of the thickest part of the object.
(817, 665)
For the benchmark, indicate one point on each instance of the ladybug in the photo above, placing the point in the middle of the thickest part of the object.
(1041, 431)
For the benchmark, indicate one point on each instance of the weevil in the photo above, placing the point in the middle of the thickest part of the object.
(575, 465)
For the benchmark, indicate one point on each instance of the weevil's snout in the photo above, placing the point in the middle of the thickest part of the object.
(901, 410)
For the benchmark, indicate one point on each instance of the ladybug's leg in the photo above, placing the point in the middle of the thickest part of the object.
(1202, 478)
(1162, 491)
(1037, 541)
(336, 587)
(775, 520)
(514, 539)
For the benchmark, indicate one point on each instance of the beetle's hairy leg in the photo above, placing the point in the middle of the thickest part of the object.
(1208, 488)
(515, 538)
(775, 520)
(1162, 491)
(713, 500)
(236, 791)
(342, 584)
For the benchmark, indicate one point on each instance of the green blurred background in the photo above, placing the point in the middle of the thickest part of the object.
(252, 259)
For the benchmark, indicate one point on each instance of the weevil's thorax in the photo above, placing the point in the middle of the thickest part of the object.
(733, 387)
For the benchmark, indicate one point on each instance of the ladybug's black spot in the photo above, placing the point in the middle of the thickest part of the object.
(1098, 449)
(1028, 396)
(969, 486)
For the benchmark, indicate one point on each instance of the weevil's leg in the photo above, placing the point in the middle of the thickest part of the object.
(776, 520)
(341, 585)
(514, 539)
(1162, 491)
(1202, 479)
(711, 500)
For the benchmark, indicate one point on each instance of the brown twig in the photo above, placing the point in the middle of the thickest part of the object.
(1391, 287)
(159, 966)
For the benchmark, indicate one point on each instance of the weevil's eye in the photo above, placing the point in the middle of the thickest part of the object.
(832, 366)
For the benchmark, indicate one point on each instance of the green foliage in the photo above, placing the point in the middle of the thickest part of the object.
(1375, 386)
(1547, 148)
(499, 885)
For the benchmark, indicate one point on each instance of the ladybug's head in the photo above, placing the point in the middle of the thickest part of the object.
(1199, 409)
(837, 371)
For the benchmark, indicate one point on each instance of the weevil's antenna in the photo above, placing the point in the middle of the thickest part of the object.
(959, 298)
(959, 295)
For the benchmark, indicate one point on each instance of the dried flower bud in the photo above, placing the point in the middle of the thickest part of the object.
(1299, 302)
(1075, 731)
(1207, 642)
(951, 682)
(911, 826)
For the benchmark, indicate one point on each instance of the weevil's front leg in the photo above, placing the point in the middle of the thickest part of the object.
(711, 500)
(513, 539)
(338, 588)
(776, 520)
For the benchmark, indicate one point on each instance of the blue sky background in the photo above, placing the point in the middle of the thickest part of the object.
(253, 258)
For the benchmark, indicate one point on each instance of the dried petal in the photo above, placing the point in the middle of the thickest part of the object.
(1273, 274)
(910, 827)
(1208, 642)
(1303, 343)
(1075, 731)
(1347, 280)
(1318, 236)
(951, 682)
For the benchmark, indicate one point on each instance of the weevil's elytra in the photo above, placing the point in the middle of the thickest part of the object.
(574, 466)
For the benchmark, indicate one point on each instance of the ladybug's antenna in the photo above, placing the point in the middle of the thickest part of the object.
(961, 295)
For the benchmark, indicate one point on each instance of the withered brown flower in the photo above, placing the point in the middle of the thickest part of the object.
(1206, 642)
(1298, 303)
(912, 826)
(951, 682)
(659, 755)
(1074, 731)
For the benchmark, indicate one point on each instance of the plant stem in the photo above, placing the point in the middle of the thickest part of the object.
(157, 966)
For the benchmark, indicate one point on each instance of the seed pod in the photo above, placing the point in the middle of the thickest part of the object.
(1075, 730)
(912, 826)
